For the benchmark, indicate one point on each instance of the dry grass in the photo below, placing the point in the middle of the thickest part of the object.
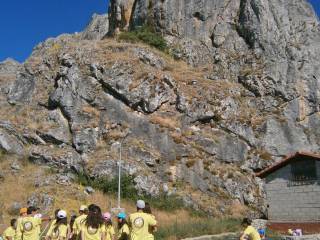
(237, 210)
(166, 122)
(17, 187)
(178, 138)
(26, 116)
(264, 154)
(190, 163)
(93, 112)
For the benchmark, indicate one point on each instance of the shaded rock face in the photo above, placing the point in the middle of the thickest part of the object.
(243, 95)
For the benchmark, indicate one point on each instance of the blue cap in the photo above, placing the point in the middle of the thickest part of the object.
(261, 231)
(122, 215)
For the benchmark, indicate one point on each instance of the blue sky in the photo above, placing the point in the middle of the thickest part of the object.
(25, 23)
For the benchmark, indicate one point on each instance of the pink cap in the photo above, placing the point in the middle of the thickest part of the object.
(106, 216)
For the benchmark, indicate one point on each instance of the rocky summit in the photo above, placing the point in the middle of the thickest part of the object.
(236, 90)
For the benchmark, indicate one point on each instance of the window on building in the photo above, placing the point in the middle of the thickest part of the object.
(303, 170)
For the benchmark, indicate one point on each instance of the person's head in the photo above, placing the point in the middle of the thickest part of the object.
(23, 212)
(107, 217)
(61, 217)
(140, 205)
(94, 218)
(32, 210)
(83, 210)
(147, 208)
(246, 222)
(13, 223)
(121, 219)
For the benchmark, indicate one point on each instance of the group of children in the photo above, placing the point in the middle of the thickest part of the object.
(91, 224)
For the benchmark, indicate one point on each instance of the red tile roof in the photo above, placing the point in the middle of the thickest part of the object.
(285, 161)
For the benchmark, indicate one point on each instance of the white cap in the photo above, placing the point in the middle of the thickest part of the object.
(62, 214)
(141, 204)
(38, 215)
(83, 208)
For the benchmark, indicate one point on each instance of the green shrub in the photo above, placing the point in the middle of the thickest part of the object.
(164, 202)
(128, 190)
(147, 35)
(3, 155)
(195, 228)
(83, 179)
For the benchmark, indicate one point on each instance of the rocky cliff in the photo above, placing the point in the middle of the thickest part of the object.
(238, 90)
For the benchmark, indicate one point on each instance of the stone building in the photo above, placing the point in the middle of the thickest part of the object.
(292, 188)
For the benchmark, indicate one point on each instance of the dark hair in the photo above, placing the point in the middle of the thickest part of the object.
(60, 221)
(108, 222)
(246, 221)
(123, 222)
(94, 218)
(147, 208)
(72, 219)
(31, 209)
(13, 222)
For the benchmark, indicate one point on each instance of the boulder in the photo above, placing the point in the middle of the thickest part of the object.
(10, 143)
(22, 89)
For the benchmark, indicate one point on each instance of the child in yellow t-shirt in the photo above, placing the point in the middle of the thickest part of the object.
(93, 227)
(250, 232)
(123, 228)
(140, 223)
(59, 230)
(110, 233)
(10, 232)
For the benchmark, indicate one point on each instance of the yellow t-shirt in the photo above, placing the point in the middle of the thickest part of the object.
(38, 228)
(150, 234)
(48, 234)
(60, 232)
(10, 232)
(29, 228)
(140, 223)
(123, 229)
(109, 232)
(252, 233)
(90, 233)
(18, 232)
(77, 223)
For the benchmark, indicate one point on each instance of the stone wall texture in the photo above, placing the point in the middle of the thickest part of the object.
(292, 203)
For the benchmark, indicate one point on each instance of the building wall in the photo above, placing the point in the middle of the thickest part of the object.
(292, 203)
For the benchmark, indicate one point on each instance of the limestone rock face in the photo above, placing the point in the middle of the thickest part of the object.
(279, 34)
(238, 90)
(121, 14)
(97, 28)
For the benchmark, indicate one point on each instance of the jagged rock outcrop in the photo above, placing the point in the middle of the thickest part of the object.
(97, 29)
(245, 95)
